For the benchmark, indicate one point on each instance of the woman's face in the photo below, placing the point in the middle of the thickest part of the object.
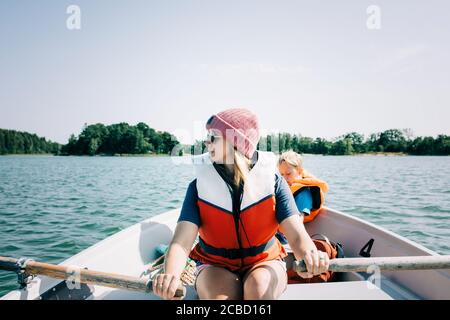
(289, 173)
(218, 148)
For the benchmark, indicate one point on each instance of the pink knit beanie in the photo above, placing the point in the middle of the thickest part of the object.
(239, 127)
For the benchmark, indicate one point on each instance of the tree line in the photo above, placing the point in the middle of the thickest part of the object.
(17, 142)
(120, 138)
(392, 140)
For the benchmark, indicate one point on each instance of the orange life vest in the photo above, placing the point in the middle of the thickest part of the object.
(237, 240)
(318, 188)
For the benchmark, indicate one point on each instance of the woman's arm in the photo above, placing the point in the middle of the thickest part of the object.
(303, 247)
(291, 224)
(180, 247)
(165, 284)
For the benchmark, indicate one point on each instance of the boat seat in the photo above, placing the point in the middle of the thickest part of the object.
(352, 290)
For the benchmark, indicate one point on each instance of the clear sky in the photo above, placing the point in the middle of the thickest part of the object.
(308, 67)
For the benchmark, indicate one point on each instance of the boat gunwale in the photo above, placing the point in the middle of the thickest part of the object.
(397, 236)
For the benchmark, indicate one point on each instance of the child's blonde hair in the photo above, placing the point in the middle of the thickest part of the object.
(292, 158)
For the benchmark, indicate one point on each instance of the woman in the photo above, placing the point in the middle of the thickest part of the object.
(236, 205)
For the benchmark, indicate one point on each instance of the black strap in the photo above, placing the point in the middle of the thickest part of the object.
(236, 253)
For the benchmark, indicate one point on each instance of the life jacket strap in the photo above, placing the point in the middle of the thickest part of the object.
(236, 253)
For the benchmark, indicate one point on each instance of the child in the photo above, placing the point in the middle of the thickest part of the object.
(236, 204)
(308, 191)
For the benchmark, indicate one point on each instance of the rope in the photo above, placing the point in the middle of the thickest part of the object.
(187, 277)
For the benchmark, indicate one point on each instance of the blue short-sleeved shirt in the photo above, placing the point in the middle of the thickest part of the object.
(285, 203)
(304, 200)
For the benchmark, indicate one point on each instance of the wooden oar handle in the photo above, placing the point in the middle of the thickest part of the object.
(74, 273)
(383, 263)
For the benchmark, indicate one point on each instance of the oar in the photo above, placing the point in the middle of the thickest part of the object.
(81, 275)
(383, 263)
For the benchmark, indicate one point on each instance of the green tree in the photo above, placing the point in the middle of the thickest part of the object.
(392, 140)
(119, 138)
(356, 141)
(285, 141)
(422, 146)
(321, 146)
(305, 145)
(17, 142)
(442, 145)
(113, 142)
(372, 142)
(342, 147)
(294, 143)
(168, 142)
(2, 143)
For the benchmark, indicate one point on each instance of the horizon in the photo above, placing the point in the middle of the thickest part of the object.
(319, 70)
(411, 134)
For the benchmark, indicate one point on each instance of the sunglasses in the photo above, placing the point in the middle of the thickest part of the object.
(211, 138)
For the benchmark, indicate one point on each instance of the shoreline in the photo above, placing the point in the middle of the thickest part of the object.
(377, 154)
(84, 155)
(384, 154)
(367, 154)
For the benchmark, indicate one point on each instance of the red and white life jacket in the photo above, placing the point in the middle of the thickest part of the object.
(223, 239)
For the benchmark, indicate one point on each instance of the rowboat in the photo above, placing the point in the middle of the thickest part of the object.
(129, 252)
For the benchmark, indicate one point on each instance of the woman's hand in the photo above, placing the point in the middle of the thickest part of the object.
(165, 285)
(316, 262)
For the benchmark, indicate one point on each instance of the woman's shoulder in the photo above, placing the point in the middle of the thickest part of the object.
(192, 187)
(280, 184)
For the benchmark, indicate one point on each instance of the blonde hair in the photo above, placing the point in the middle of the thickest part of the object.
(241, 168)
(292, 158)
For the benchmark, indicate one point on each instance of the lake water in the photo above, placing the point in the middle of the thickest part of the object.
(53, 207)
